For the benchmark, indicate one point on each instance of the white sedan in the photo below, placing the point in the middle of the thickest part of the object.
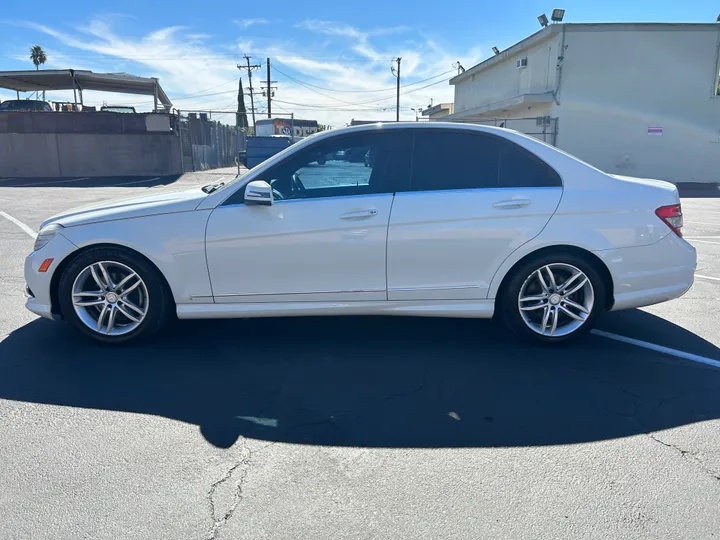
(436, 219)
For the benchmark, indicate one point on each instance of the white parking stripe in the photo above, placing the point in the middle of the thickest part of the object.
(702, 237)
(707, 277)
(50, 184)
(705, 242)
(136, 182)
(20, 224)
(659, 348)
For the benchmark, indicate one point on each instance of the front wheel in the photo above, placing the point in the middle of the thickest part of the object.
(553, 298)
(113, 295)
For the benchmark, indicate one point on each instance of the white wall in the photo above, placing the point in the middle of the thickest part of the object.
(504, 80)
(619, 80)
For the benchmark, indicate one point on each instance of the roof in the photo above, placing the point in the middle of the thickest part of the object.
(62, 79)
(549, 31)
(297, 121)
(354, 122)
(432, 109)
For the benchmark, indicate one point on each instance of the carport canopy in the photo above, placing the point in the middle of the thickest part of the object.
(72, 79)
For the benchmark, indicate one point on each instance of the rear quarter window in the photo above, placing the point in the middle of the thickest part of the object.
(521, 168)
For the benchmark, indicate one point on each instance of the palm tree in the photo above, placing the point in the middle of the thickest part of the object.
(37, 55)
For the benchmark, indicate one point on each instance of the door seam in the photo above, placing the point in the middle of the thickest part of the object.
(387, 241)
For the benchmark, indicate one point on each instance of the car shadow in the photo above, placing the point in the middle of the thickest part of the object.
(369, 381)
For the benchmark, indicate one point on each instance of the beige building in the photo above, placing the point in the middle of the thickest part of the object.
(634, 99)
(438, 111)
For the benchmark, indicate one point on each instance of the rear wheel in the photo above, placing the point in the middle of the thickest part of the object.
(553, 298)
(113, 295)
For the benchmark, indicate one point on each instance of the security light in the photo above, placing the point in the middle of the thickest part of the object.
(557, 15)
(543, 20)
(496, 50)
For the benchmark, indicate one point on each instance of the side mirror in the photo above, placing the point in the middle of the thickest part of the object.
(259, 192)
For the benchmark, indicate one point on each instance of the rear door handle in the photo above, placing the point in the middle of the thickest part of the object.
(509, 204)
(359, 214)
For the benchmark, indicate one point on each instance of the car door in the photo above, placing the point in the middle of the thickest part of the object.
(475, 198)
(325, 236)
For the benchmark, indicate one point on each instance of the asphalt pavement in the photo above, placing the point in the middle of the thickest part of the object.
(354, 427)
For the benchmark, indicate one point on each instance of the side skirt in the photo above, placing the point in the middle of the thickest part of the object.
(480, 309)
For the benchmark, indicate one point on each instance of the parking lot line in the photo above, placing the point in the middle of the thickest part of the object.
(50, 184)
(707, 277)
(659, 348)
(136, 182)
(705, 242)
(19, 223)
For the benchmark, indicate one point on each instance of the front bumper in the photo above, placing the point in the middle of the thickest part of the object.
(38, 283)
(645, 275)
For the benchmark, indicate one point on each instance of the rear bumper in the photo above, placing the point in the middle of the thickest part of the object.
(646, 275)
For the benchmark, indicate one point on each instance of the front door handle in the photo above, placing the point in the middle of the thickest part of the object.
(359, 214)
(509, 204)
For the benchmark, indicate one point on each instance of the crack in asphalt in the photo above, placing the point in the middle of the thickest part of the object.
(218, 523)
(687, 454)
(243, 466)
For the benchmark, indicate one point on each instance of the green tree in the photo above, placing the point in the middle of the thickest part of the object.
(38, 57)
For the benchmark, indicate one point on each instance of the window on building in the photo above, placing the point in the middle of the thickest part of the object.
(454, 160)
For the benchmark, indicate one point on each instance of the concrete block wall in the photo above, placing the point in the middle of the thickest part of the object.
(55, 155)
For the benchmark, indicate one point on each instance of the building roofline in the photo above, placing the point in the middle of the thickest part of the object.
(548, 31)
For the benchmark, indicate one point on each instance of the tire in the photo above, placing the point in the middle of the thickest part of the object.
(131, 309)
(530, 323)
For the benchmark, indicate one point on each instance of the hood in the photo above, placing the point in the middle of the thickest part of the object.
(148, 205)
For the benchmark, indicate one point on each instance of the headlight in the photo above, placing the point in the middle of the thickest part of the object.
(46, 234)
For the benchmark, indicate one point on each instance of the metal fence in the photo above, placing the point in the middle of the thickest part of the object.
(543, 128)
(206, 144)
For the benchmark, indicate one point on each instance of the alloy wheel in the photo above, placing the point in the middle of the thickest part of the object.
(556, 299)
(110, 298)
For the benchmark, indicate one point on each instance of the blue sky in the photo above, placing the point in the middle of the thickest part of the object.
(332, 58)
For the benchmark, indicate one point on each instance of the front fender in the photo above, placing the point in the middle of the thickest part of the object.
(174, 243)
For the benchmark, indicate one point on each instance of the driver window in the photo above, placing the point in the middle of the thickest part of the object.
(341, 166)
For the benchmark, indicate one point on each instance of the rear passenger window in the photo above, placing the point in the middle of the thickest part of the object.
(454, 160)
(520, 168)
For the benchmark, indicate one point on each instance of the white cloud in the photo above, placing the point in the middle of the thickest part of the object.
(247, 23)
(341, 72)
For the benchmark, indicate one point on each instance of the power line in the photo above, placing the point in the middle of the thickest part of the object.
(305, 83)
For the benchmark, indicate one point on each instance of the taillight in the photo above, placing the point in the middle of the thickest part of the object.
(672, 216)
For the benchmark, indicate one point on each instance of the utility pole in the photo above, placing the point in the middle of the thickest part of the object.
(269, 93)
(249, 71)
(396, 72)
(269, 89)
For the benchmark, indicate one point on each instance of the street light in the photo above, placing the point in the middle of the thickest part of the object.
(543, 20)
(417, 110)
(557, 15)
